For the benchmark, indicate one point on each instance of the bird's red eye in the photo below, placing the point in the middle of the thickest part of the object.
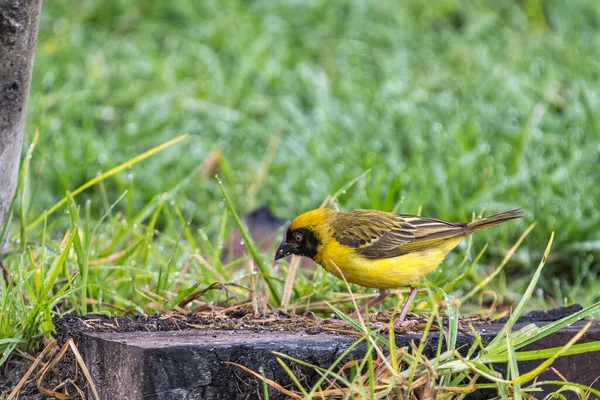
(298, 237)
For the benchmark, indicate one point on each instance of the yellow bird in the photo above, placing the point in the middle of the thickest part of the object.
(378, 249)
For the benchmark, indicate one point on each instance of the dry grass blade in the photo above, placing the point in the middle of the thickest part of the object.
(460, 389)
(422, 381)
(474, 369)
(57, 395)
(507, 257)
(258, 179)
(54, 394)
(268, 381)
(47, 368)
(322, 306)
(489, 313)
(342, 331)
(108, 259)
(216, 285)
(6, 273)
(184, 271)
(84, 369)
(561, 376)
(155, 300)
(289, 283)
(72, 383)
(329, 393)
(253, 291)
(15, 392)
(325, 202)
(204, 262)
(210, 165)
(429, 366)
(358, 313)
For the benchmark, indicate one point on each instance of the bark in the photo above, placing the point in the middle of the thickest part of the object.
(19, 21)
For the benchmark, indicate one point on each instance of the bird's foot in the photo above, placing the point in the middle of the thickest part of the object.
(403, 325)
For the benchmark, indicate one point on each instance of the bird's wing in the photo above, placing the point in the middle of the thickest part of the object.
(376, 234)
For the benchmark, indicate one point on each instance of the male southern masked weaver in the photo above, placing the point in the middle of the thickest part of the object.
(378, 249)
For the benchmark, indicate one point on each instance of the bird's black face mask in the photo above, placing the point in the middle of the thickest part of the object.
(301, 242)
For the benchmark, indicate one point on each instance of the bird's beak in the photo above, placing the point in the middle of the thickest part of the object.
(284, 249)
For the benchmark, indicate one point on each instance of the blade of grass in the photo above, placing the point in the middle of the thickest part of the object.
(557, 325)
(105, 175)
(250, 245)
(217, 251)
(78, 247)
(526, 296)
(185, 224)
(422, 344)
(513, 367)
(325, 372)
(535, 372)
(580, 348)
(292, 376)
(268, 381)
(347, 186)
(23, 189)
(265, 386)
(458, 279)
(593, 391)
(508, 256)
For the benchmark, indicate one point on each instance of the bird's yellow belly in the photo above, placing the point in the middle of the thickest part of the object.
(384, 273)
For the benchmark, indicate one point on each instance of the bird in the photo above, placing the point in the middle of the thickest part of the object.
(379, 249)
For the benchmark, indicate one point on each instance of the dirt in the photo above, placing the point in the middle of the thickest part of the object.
(71, 326)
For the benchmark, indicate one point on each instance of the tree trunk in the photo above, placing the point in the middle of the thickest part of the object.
(19, 21)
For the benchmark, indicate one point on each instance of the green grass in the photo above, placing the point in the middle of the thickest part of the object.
(454, 107)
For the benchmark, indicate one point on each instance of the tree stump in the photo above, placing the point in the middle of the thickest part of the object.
(19, 21)
(152, 357)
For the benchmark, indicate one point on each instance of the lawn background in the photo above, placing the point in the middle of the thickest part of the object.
(456, 107)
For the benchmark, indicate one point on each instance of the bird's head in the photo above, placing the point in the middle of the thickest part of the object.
(305, 234)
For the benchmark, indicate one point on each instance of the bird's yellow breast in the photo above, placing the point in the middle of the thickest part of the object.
(382, 273)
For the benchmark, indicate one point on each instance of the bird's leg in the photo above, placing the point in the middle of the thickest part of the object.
(383, 293)
(411, 297)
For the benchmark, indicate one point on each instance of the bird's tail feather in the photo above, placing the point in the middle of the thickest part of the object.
(494, 219)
